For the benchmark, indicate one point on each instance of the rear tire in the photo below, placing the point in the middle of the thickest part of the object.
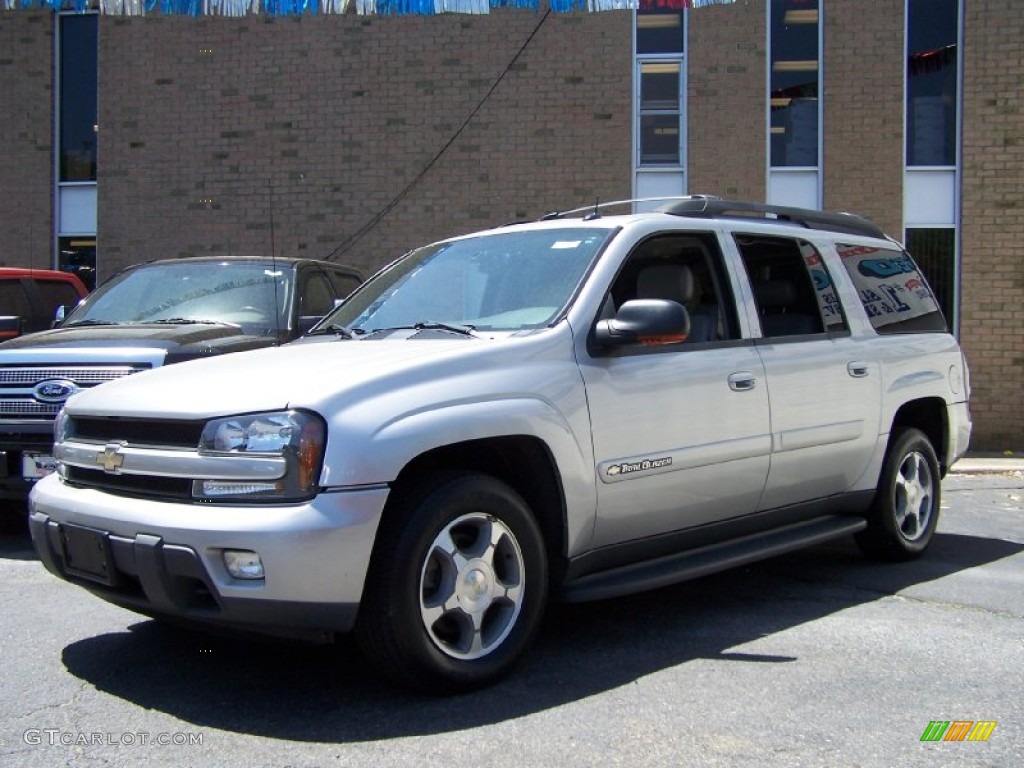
(905, 510)
(456, 586)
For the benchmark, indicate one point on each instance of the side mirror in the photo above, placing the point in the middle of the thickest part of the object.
(644, 321)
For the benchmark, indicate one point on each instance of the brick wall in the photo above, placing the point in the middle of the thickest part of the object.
(863, 110)
(992, 281)
(377, 132)
(727, 101)
(26, 158)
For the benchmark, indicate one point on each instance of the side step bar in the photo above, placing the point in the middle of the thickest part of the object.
(692, 564)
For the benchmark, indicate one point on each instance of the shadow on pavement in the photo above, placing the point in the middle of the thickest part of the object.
(303, 693)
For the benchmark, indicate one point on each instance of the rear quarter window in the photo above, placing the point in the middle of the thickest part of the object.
(895, 295)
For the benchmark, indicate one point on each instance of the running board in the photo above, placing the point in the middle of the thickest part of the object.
(692, 564)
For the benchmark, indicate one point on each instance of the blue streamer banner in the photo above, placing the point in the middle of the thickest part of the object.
(275, 8)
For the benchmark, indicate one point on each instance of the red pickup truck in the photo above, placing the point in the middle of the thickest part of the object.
(29, 298)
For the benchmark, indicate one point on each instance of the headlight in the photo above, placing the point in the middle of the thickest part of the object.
(297, 436)
(60, 426)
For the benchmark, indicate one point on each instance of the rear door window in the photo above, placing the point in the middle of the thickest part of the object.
(793, 290)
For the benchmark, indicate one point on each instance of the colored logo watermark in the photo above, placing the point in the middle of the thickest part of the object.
(958, 730)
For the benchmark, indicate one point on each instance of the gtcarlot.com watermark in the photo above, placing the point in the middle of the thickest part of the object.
(54, 737)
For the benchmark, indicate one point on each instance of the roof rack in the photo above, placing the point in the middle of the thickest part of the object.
(705, 206)
(594, 208)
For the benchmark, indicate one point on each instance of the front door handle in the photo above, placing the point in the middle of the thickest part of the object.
(857, 369)
(742, 381)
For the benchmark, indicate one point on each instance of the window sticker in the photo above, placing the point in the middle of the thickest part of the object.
(889, 284)
(824, 291)
(565, 245)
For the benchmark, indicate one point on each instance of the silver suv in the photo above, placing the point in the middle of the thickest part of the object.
(576, 408)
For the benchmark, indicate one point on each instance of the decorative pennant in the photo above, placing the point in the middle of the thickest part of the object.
(462, 6)
(567, 6)
(237, 8)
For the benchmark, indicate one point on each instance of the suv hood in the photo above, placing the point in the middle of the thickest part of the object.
(306, 374)
(180, 341)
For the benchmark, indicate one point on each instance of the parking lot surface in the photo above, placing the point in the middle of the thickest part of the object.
(817, 658)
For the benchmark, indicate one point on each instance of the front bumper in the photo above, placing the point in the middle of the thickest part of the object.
(166, 560)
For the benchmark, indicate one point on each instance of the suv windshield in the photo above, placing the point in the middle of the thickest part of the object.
(246, 294)
(507, 281)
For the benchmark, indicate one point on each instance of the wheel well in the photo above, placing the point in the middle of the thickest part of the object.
(522, 462)
(929, 416)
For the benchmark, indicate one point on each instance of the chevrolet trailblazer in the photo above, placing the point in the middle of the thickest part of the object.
(576, 408)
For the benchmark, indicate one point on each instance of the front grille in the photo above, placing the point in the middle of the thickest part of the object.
(83, 376)
(154, 433)
(141, 486)
(28, 408)
(18, 400)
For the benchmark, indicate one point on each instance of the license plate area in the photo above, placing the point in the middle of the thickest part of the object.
(87, 554)
(37, 465)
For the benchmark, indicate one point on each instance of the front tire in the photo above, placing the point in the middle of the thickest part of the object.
(905, 510)
(456, 587)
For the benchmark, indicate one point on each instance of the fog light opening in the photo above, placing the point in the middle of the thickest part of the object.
(243, 564)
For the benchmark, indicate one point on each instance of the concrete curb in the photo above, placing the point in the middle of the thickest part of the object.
(981, 465)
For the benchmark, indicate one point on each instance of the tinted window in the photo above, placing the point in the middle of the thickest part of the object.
(932, 81)
(344, 283)
(56, 293)
(794, 83)
(317, 298)
(12, 299)
(895, 295)
(686, 269)
(793, 290)
(78, 59)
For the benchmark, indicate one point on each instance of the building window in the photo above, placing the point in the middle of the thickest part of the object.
(932, 32)
(794, 83)
(660, 82)
(78, 255)
(78, 62)
(934, 250)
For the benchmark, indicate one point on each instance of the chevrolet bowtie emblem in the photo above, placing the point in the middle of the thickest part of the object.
(111, 459)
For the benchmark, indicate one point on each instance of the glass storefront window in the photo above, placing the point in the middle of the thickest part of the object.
(932, 81)
(794, 83)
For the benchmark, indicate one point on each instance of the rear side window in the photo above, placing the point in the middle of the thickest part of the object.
(13, 300)
(892, 289)
(57, 293)
(792, 288)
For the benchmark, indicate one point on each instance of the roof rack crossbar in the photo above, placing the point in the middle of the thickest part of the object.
(710, 207)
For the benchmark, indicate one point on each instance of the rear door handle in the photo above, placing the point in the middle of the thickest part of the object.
(742, 381)
(857, 369)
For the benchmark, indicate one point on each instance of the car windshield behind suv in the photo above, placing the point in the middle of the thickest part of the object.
(254, 296)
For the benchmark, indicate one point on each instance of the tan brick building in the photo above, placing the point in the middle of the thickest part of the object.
(361, 136)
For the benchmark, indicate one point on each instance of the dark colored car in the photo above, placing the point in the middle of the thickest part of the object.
(146, 316)
(30, 298)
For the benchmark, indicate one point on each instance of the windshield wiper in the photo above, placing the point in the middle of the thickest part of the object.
(92, 322)
(430, 325)
(189, 321)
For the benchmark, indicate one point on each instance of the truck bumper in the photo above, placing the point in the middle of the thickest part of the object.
(167, 560)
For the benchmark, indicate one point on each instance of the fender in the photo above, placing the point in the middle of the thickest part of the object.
(563, 428)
